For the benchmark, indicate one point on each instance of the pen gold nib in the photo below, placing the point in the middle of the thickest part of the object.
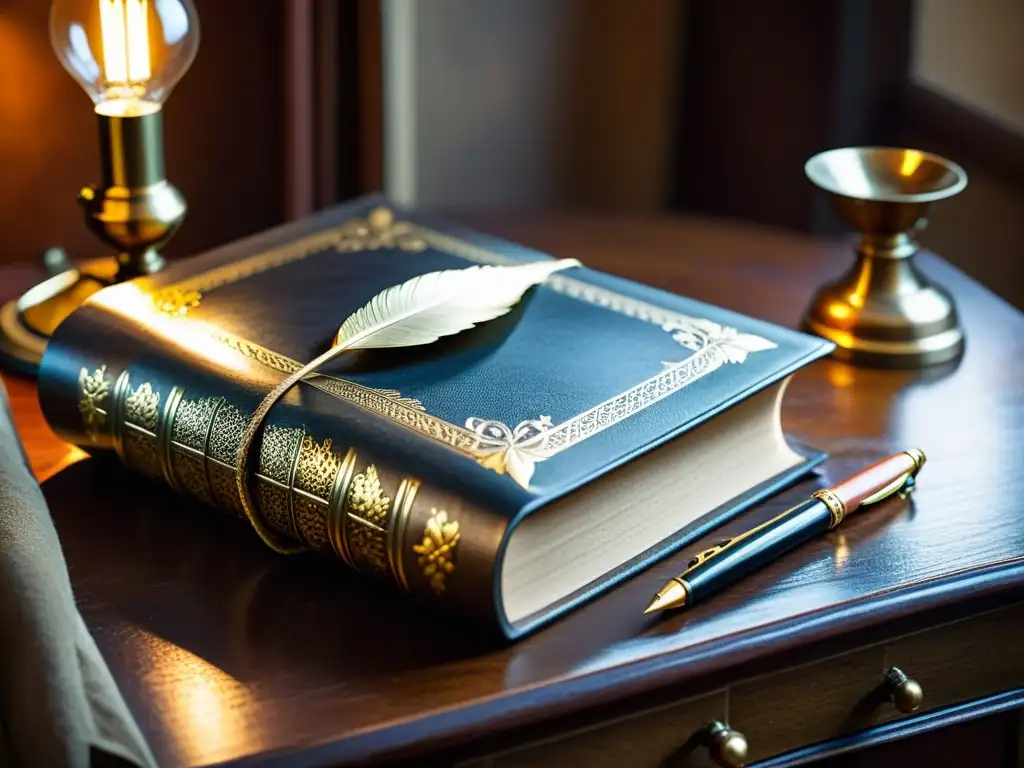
(672, 595)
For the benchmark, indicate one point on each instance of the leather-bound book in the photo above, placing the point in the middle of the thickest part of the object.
(510, 472)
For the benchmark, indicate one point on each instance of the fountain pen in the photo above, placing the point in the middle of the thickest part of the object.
(732, 559)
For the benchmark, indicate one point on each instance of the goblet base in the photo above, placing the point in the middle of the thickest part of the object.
(884, 313)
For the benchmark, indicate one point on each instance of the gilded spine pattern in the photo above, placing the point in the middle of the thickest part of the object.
(279, 454)
(369, 510)
(190, 434)
(225, 436)
(138, 430)
(437, 550)
(314, 480)
(305, 489)
(93, 389)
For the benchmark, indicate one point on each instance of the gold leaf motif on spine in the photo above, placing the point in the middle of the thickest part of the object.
(368, 508)
(318, 466)
(275, 506)
(192, 422)
(279, 451)
(315, 474)
(141, 420)
(93, 389)
(190, 434)
(437, 549)
(224, 488)
(190, 474)
(311, 523)
(142, 407)
(225, 436)
(140, 453)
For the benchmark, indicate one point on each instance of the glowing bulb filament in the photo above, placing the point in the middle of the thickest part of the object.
(125, 41)
(138, 42)
(115, 53)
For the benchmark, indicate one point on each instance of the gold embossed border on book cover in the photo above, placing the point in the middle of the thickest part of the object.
(500, 447)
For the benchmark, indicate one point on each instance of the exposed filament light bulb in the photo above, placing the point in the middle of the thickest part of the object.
(127, 54)
(125, 43)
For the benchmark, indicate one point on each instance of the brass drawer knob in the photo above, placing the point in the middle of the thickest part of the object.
(904, 691)
(728, 748)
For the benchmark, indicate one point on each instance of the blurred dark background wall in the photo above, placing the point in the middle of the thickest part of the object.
(707, 106)
(532, 102)
(970, 56)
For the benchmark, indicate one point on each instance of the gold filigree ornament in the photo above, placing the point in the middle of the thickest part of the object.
(712, 344)
(514, 452)
(143, 406)
(368, 508)
(379, 230)
(92, 392)
(437, 550)
(730, 345)
(177, 301)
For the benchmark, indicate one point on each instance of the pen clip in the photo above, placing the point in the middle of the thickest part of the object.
(702, 557)
(707, 554)
(903, 485)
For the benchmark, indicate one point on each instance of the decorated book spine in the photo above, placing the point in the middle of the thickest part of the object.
(330, 498)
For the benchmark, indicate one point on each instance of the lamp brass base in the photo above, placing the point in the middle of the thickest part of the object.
(26, 323)
(885, 313)
(135, 210)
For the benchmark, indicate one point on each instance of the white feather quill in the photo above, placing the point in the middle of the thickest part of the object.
(419, 311)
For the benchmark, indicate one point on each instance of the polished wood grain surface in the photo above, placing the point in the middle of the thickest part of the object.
(230, 653)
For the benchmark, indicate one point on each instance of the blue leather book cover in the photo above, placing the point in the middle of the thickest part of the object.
(510, 472)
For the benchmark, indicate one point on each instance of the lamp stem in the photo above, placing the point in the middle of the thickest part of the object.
(132, 150)
(135, 209)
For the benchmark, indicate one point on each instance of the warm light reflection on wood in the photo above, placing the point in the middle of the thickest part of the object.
(840, 551)
(206, 711)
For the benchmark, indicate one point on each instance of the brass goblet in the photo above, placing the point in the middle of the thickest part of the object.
(884, 311)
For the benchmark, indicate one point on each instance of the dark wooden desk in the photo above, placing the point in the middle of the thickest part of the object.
(229, 653)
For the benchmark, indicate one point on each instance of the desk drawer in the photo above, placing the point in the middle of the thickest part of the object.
(966, 660)
(803, 705)
(645, 740)
(953, 663)
(799, 706)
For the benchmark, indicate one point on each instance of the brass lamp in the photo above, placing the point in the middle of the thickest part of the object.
(884, 311)
(128, 55)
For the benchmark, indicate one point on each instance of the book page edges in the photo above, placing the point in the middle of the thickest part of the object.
(579, 539)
